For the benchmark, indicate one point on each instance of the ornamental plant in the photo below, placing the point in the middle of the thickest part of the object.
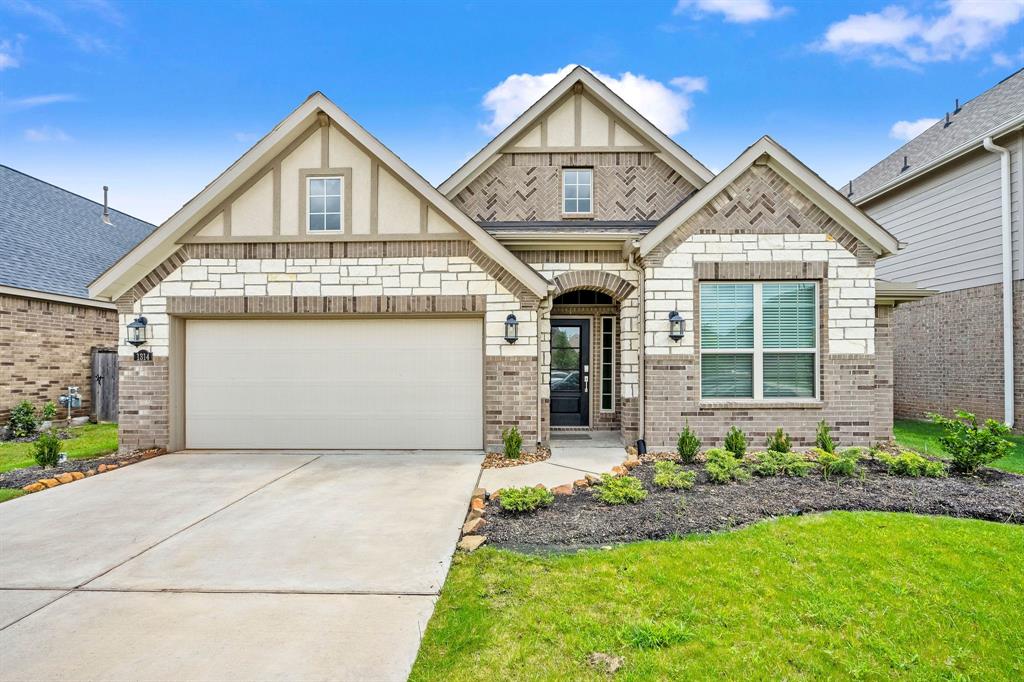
(47, 450)
(513, 441)
(736, 442)
(971, 446)
(910, 463)
(672, 476)
(22, 423)
(687, 445)
(779, 441)
(823, 439)
(838, 464)
(722, 466)
(525, 499)
(773, 463)
(620, 490)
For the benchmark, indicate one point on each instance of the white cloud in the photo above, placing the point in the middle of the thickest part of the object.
(895, 36)
(10, 53)
(735, 11)
(666, 106)
(908, 130)
(1008, 61)
(34, 101)
(46, 134)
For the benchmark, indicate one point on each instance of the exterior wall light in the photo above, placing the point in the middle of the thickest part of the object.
(511, 328)
(137, 331)
(676, 325)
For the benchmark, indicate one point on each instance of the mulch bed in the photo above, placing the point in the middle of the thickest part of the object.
(581, 520)
(498, 460)
(18, 478)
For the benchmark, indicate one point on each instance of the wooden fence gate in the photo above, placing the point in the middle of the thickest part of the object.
(104, 384)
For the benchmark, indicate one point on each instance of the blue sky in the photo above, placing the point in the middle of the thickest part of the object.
(156, 98)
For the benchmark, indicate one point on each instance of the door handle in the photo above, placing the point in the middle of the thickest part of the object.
(586, 378)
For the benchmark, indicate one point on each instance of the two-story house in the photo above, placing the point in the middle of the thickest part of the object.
(582, 271)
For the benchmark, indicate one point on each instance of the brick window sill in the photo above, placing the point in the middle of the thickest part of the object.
(760, 404)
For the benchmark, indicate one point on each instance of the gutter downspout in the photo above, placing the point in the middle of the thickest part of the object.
(1004, 164)
(543, 310)
(641, 292)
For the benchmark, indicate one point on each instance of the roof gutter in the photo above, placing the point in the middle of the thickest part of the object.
(1004, 189)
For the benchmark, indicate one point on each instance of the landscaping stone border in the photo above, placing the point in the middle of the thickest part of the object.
(80, 469)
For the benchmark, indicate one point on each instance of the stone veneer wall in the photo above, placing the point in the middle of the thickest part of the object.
(627, 186)
(948, 354)
(46, 346)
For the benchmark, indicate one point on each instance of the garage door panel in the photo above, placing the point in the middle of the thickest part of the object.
(334, 384)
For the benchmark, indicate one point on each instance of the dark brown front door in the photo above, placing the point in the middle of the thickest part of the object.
(570, 372)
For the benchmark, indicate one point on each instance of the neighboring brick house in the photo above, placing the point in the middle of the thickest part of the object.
(53, 244)
(957, 206)
(582, 271)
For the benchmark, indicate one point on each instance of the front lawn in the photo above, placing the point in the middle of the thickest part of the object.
(90, 440)
(923, 437)
(10, 493)
(825, 596)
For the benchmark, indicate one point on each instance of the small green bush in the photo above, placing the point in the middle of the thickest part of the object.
(670, 475)
(49, 411)
(22, 423)
(688, 445)
(722, 466)
(621, 490)
(838, 464)
(970, 446)
(779, 441)
(823, 439)
(513, 441)
(525, 499)
(773, 463)
(910, 463)
(736, 442)
(47, 450)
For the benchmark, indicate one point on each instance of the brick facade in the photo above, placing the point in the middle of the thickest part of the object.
(46, 346)
(510, 399)
(145, 419)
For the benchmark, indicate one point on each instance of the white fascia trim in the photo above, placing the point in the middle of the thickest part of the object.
(58, 298)
(951, 155)
(676, 156)
(795, 172)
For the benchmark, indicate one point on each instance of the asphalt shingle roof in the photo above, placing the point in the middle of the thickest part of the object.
(994, 107)
(54, 241)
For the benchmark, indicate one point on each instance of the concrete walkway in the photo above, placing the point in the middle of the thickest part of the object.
(573, 456)
(230, 566)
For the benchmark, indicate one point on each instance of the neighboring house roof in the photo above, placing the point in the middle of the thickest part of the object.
(55, 241)
(692, 169)
(162, 243)
(796, 173)
(993, 112)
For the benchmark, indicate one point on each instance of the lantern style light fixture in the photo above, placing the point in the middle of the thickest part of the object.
(511, 328)
(137, 331)
(676, 325)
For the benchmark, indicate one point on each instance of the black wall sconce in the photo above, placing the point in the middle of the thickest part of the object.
(137, 331)
(511, 328)
(676, 325)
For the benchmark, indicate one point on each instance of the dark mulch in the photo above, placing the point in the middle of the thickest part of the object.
(17, 478)
(582, 520)
(498, 460)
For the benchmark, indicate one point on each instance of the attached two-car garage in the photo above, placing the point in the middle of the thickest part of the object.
(385, 383)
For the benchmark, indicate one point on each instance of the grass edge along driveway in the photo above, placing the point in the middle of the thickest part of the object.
(89, 440)
(836, 595)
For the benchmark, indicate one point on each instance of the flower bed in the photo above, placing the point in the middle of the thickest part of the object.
(35, 478)
(497, 460)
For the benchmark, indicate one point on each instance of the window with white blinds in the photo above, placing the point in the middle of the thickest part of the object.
(759, 340)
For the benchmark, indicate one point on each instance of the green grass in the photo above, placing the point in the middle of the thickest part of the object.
(10, 493)
(90, 440)
(829, 596)
(923, 437)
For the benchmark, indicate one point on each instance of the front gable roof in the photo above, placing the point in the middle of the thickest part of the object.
(164, 241)
(681, 161)
(768, 151)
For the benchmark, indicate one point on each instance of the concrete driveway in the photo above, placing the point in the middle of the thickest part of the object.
(231, 566)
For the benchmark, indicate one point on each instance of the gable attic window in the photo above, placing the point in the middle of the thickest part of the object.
(324, 208)
(577, 191)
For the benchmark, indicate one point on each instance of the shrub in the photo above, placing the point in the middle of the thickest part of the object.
(823, 439)
(671, 475)
(909, 463)
(49, 411)
(513, 441)
(47, 450)
(779, 441)
(688, 445)
(23, 420)
(525, 499)
(736, 442)
(838, 464)
(773, 463)
(970, 446)
(723, 466)
(621, 490)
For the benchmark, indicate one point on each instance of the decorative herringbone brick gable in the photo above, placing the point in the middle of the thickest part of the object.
(627, 186)
(760, 201)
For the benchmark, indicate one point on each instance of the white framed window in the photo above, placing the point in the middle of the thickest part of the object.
(607, 364)
(577, 190)
(759, 340)
(324, 197)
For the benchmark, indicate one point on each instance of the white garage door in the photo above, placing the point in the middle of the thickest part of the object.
(334, 384)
